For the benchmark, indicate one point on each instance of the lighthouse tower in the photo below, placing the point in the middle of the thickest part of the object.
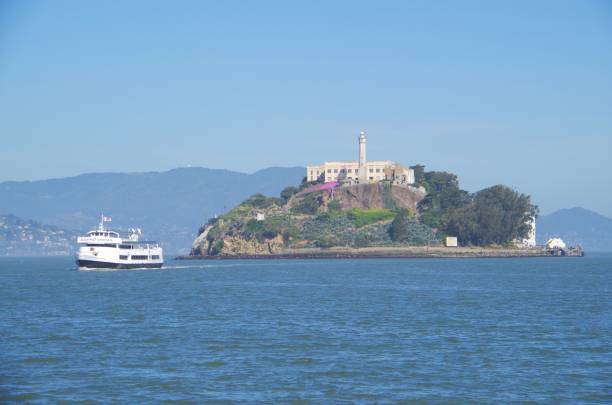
(363, 175)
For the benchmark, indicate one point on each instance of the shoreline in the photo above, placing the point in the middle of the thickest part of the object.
(412, 252)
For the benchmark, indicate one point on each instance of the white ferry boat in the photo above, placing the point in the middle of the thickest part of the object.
(106, 249)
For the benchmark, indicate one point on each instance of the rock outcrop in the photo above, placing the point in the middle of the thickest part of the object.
(379, 196)
(237, 245)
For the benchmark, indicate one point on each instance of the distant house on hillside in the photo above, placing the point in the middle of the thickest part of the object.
(362, 171)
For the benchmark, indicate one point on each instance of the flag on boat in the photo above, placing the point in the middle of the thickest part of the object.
(107, 219)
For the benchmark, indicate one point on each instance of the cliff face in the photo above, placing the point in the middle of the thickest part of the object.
(379, 196)
(354, 216)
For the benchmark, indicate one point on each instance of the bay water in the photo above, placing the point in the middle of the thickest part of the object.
(318, 331)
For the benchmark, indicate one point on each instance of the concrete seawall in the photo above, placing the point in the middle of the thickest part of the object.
(387, 252)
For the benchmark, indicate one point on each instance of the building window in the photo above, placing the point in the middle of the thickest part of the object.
(350, 170)
(335, 170)
(328, 170)
(377, 170)
(371, 170)
(371, 178)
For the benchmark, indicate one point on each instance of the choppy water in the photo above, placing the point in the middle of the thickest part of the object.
(422, 331)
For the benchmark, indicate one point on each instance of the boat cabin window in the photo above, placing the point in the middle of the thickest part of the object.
(126, 247)
(105, 234)
(137, 257)
(155, 257)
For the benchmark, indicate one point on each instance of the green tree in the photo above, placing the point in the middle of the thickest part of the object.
(497, 215)
(419, 174)
(502, 214)
(443, 196)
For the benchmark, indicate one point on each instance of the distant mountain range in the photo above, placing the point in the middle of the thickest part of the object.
(168, 206)
(171, 206)
(19, 237)
(577, 226)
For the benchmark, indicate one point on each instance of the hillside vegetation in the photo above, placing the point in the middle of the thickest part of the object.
(497, 215)
(368, 215)
(318, 219)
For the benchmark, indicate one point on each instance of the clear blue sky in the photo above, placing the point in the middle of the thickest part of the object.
(512, 92)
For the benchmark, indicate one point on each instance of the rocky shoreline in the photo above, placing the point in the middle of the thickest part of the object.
(385, 252)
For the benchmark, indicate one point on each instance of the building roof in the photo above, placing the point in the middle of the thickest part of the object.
(354, 162)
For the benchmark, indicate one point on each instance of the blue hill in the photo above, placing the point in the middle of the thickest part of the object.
(168, 206)
(577, 226)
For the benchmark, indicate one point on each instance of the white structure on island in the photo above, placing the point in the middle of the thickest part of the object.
(361, 171)
(530, 240)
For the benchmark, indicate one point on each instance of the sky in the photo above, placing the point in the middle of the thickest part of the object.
(505, 92)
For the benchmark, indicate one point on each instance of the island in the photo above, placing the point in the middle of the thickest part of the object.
(374, 209)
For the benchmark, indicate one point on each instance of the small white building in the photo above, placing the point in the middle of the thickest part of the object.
(361, 171)
(451, 241)
(260, 216)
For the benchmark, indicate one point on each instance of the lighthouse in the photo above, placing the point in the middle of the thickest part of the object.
(363, 175)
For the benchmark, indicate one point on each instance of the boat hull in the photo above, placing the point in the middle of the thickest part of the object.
(93, 264)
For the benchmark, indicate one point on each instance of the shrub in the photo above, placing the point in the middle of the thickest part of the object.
(216, 248)
(291, 234)
(269, 233)
(213, 233)
(254, 226)
(308, 205)
(361, 240)
(399, 227)
(366, 217)
(334, 206)
(324, 243)
(287, 193)
(261, 201)
(237, 213)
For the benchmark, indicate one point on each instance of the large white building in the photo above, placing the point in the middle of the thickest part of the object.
(361, 171)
